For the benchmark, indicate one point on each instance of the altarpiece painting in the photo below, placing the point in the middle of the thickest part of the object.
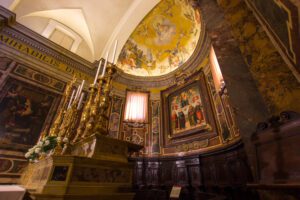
(189, 111)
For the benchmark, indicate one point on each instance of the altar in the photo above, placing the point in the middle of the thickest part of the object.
(75, 159)
(103, 173)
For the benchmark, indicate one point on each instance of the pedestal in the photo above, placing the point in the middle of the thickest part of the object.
(96, 169)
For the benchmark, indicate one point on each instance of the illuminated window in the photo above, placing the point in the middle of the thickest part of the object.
(215, 69)
(136, 109)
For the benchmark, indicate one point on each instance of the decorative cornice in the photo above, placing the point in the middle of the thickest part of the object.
(33, 39)
(6, 17)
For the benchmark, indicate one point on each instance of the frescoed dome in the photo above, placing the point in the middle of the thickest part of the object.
(163, 41)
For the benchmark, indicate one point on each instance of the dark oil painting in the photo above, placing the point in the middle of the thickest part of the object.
(23, 111)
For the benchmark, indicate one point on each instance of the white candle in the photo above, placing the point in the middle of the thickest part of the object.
(77, 93)
(80, 100)
(71, 99)
(115, 49)
(79, 90)
(104, 68)
(82, 84)
(98, 70)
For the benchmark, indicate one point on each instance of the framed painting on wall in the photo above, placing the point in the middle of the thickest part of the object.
(188, 111)
(24, 111)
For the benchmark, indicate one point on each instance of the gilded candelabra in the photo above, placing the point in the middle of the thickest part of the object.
(67, 129)
(94, 118)
(94, 110)
(102, 117)
(86, 113)
(59, 119)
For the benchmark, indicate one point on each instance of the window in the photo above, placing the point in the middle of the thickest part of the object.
(215, 69)
(62, 39)
(136, 109)
(62, 35)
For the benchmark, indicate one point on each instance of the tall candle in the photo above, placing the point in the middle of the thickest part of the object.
(104, 68)
(80, 101)
(79, 90)
(97, 73)
(77, 93)
(82, 84)
(71, 99)
(115, 49)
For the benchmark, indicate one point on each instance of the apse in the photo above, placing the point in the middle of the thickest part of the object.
(163, 41)
(149, 99)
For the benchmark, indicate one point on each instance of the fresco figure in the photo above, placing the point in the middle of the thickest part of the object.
(184, 99)
(198, 112)
(181, 119)
(191, 116)
(174, 119)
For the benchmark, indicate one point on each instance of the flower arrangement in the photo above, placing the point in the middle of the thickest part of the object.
(43, 147)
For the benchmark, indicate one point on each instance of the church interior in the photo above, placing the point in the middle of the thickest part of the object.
(150, 99)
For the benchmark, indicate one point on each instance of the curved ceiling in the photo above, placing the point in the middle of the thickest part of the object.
(163, 41)
(75, 20)
(98, 22)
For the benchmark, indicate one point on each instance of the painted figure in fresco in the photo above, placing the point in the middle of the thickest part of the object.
(174, 60)
(191, 116)
(165, 31)
(155, 109)
(181, 119)
(184, 99)
(155, 124)
(117, 103)
(198, 113)
(114, 122)
(174, 119)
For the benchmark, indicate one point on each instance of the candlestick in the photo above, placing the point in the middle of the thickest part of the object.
(98, 70)
(104, 68)
(71, 99)
(80, 100)
(115, 49)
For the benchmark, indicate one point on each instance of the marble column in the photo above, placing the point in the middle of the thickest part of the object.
(244, 96)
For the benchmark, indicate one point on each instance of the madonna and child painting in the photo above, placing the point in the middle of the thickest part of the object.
(186, 110)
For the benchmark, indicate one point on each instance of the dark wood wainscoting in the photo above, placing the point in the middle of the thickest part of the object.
(224, 173)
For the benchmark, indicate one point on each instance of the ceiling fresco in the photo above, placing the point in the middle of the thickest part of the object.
(163, 41)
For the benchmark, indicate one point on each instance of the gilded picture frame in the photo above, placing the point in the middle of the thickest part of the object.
(188, 112)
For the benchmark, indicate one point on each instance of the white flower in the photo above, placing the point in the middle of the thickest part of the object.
(58, 139)
(47, 142)
(37, 150)
(27, 155)
(40, 143)
(65, 140)
(31, 150)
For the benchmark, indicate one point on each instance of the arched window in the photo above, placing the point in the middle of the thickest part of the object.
(136, 108)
